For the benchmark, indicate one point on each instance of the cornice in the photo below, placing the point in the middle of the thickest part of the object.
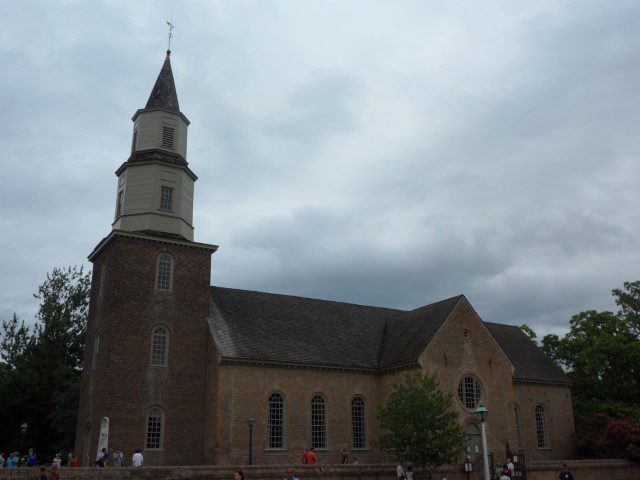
(148, 238)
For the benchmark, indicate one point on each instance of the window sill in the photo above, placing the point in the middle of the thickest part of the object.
(158, 366)
(363, 449)
(276, 449)
(322, 449)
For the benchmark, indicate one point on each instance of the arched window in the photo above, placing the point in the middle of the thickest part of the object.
(469, 392)
(164, 273)
(159, 344)
(155, 420)
(318, 422)
(358, 422)
(518, 428)
(276, 421)
(541, 427)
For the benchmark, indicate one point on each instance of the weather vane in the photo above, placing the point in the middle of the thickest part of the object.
(170, 23)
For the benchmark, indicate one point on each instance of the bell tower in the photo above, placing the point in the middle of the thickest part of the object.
(155, 185)
(148, 353)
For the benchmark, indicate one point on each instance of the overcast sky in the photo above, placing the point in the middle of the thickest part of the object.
(388, 153)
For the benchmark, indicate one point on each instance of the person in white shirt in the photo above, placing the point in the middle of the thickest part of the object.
(510, 468)
(400, 471)
(137, 459)
(409, 472)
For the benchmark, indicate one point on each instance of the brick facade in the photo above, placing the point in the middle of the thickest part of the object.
(243, 391)
(119, 382)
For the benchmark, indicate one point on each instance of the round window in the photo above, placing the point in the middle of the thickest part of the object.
(469, 392)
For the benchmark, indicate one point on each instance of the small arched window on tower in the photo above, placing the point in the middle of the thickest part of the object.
(155, 421)
(164, 272)
(358, 423)
(159, 346)
(318, 422)
(276, 421)
(541, 427)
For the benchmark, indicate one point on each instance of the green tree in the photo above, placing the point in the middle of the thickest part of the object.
(601, 355)
(421, 426)
(39, 383)
(529, 332)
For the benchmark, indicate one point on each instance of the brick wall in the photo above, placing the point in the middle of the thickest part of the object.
(125, 308)
(582, 470)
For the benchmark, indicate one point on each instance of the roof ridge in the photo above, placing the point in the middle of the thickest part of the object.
(403, 312)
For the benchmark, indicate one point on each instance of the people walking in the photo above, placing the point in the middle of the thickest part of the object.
(311, 456)
(400, 471)
(118, 458)
(565, 474)
(137, 460)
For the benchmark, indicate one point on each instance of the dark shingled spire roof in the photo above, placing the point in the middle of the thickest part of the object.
(164, 93)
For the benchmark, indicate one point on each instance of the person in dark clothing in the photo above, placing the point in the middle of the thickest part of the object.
(565, 474)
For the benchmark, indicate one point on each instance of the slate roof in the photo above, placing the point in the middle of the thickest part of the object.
(529, 361)
(408, 333)
(164, 93)
(283, 329)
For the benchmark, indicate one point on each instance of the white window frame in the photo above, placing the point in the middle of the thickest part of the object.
(159, 436)
(361, 410)
(156, 361)
(276, 421)
(477, 392)
(319, 421)
(164, 280)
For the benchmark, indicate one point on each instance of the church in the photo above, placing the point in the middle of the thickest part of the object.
(196, 374)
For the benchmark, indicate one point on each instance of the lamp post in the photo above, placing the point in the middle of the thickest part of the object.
(23, 431)
(483, 412)
(250, 422)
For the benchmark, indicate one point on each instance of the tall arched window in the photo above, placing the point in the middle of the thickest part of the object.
(164, 272)
(318, 422)
(518, 428)
(276, 421)
(358, 422)
(155, 420)
(159, 346)
(541, 427)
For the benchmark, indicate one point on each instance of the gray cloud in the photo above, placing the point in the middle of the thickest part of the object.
(382, 154)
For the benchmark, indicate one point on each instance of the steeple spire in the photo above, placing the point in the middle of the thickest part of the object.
(164, 93)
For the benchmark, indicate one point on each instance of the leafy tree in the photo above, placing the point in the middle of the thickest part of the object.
(420, 425)
(601, 354)
(528, 331)
(602, 436)
(629, 302)
(39, 383)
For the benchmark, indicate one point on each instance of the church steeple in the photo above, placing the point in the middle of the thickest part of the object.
(155, 185)
(164, 93)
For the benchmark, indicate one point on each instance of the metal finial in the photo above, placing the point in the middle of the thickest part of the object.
(170, 23)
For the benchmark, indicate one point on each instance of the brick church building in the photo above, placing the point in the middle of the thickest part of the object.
(180, 367)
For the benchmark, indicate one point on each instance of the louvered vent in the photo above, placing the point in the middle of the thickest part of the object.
(135, 140)
(167, 137)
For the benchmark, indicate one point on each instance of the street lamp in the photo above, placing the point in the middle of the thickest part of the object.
(483, 412)
(250, 422)
(23, 430)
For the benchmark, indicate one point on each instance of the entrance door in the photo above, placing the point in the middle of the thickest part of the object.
(474, 443)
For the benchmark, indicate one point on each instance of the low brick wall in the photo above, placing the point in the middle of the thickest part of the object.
(536, 470)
